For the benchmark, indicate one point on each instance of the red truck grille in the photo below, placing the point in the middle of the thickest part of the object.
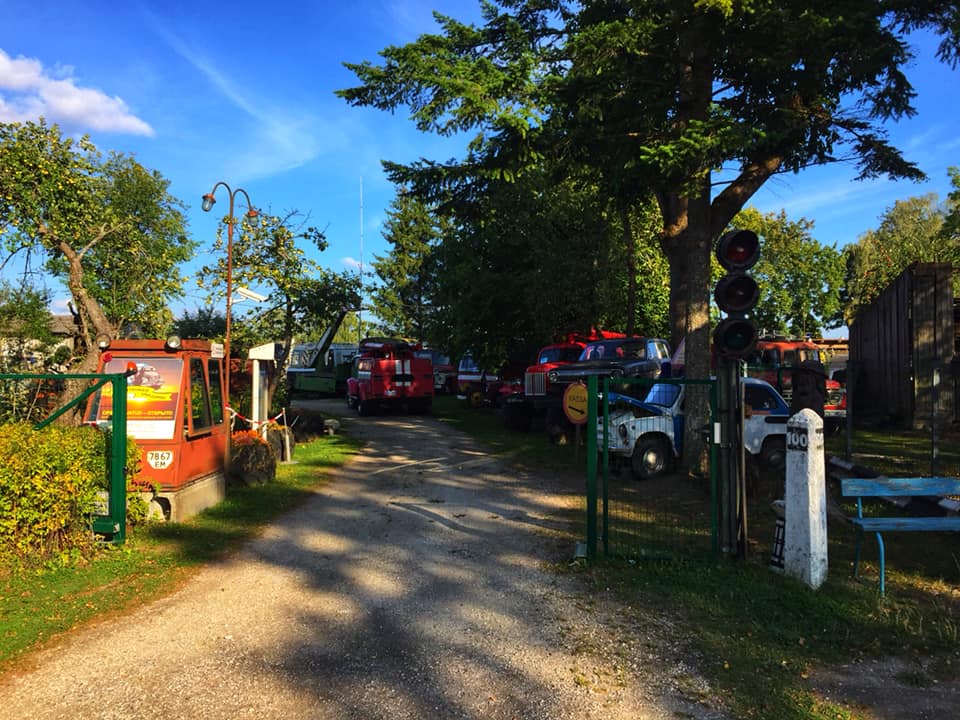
(534, 383)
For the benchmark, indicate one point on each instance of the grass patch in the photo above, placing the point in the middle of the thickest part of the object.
(757, 635)
(37, 605)
(526, 449)
(900, 452)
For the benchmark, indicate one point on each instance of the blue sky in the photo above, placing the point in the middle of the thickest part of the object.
(242, 92)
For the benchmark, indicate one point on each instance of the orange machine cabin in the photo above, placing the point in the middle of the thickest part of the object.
(176, 412)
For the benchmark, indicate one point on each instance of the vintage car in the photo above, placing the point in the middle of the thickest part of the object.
(627, 357)
(648, 433)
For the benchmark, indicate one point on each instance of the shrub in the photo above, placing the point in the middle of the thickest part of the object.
(252, 460)
(48, 484)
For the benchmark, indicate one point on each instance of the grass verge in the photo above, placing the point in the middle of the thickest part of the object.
(527, 449)
(37, 605)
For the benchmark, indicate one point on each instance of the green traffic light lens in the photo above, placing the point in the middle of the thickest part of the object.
(735, 338)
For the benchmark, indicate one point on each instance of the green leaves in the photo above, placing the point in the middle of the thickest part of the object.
(917, 229)
(108, 227)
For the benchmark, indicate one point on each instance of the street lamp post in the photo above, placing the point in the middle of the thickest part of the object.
(253, 218)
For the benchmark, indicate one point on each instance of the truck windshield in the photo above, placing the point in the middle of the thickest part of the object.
(663, 394)
(559, 354)
(615, 350)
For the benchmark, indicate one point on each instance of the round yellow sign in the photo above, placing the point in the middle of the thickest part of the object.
(575, 403)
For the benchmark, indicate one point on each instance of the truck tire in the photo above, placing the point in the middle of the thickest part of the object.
(516, 418)
(650, 458)
(351, 401)
(773, 453)
(421, 406)
(474, 399)
(364, 408)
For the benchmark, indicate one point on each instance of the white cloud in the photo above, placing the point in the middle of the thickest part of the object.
(350, 263)
(28, 91)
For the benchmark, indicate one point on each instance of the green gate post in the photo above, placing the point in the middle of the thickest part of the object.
(605, 476)
(714, 475)
(115, 523)
(592, 467)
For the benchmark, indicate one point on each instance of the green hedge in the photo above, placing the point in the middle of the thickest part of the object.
(48, 482)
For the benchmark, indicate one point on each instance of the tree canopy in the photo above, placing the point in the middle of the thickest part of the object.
(107, 227)
(407, 275)
(800, 280)
(918, 229)
(302, 297)
(656, 96)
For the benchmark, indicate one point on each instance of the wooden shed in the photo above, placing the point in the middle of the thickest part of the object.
(902, 348)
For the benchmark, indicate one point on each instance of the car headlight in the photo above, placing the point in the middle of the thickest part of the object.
(552, 376)
(616, 372)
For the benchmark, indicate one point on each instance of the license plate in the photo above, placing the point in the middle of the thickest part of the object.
(159, 459)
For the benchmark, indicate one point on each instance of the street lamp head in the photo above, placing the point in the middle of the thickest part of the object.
(208, 202)
(253, 217)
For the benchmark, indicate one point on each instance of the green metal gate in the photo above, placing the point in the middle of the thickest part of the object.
(113, 522)
(667, 515)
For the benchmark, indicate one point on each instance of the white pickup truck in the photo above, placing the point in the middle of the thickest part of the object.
(649, 432)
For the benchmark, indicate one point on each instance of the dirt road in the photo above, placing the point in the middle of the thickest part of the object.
(418, 584)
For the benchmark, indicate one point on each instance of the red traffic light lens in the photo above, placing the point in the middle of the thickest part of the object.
(738, 249)
(736, 293)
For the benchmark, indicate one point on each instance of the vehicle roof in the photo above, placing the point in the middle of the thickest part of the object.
(783, 342)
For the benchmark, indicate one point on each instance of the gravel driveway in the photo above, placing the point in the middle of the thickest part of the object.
(417, 584)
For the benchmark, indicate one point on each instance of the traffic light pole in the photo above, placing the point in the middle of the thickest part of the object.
(732, 460)
(735, 336)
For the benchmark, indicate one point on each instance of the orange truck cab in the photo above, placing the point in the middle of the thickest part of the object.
(390, 372)
(176, 413)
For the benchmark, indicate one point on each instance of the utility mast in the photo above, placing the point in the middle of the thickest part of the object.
(360, 309)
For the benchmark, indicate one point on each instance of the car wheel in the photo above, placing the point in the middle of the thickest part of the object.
(364, 408)
(650, 458)
(351, 404)
(773, 454)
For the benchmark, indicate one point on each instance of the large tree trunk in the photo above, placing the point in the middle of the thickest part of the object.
(630, 243)
(92, 322)
(686, 242)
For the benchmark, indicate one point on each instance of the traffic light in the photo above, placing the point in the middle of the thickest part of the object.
(736, 293)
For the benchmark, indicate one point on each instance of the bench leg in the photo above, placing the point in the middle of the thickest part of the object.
(856, 555)
(882, 568)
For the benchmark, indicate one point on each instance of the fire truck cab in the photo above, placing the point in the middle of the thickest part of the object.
(774, 360)
(388, 372)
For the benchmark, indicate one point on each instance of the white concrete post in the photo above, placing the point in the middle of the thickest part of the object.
(805, 537)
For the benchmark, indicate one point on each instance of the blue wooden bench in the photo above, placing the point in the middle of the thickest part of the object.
(885, 487)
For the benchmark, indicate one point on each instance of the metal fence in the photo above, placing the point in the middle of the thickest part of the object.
(669, 514)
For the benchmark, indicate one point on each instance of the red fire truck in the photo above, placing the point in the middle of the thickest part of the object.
(389, 372)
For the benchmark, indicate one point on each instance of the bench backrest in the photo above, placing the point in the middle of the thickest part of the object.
(890, 487)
